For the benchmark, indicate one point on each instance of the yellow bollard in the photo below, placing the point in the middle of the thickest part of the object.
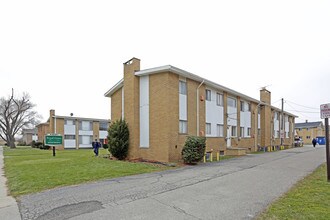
(217, 156)
(211, 155)
(204, 158)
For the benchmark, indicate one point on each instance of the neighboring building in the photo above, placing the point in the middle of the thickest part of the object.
(163, 105)
(77, 132)
(309, 130)
(29, 135)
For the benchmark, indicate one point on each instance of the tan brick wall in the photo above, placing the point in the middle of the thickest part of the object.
(43, 129)
(96, 127)
(116, 105)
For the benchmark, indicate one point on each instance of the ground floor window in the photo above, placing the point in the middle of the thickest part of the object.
(242, 132)
(233, 131)
(219, 130)
(85, 139)
(69, 137)
(249, 132)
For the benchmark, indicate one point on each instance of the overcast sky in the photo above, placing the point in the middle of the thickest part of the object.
(67, 54)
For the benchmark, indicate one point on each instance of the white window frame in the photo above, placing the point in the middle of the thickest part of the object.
(234, 131)
(219, 99)
(219, 130)
(234, 102)
(248, 132)
(208, 95)
(208, 129)
(241, 132)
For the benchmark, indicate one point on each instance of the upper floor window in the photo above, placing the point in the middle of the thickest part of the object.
(219, 99)
(85, 125)
(182, 87)
(103, 126)
(69, 122)
(208, 94)
(231, 102)
(248, 107)
(242, 106)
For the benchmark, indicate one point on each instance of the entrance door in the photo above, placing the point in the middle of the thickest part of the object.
(228, 136)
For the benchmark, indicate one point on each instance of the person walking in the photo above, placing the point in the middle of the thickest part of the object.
(96, 145)
(314, 142)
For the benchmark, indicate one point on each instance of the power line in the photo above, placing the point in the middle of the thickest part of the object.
(302, 105)
(302, 111)
(297, 111)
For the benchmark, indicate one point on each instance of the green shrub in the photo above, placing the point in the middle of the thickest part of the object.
(193, 150)
(118, 136)
(105, 146)
(37, 144)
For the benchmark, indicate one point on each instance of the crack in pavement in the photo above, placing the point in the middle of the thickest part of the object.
(176, 209)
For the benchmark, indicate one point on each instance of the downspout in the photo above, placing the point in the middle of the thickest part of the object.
(197, 99)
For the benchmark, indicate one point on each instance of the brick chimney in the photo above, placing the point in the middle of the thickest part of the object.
(131, 102)
(265, 117)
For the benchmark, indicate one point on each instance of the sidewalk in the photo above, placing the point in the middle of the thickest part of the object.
(8, 206)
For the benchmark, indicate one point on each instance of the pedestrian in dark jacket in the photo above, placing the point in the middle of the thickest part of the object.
(314, 142)
(96, 145)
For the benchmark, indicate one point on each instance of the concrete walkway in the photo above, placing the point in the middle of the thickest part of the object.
(8, 205)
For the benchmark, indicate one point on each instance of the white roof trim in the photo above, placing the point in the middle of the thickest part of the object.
(189, 75)
(111, 91)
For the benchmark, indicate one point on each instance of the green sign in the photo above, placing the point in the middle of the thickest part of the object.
(53, 140)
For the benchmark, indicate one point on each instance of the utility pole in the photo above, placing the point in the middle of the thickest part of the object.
(282, 123)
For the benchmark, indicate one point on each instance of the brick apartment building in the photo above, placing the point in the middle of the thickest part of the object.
(77, 132)
(309, 130)
(163, 105)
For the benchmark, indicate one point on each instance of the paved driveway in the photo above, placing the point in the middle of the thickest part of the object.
(234, 189)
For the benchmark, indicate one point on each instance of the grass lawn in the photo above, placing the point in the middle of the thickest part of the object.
(309, 199)
(31, 170)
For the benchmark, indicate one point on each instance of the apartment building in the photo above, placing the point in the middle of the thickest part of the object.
(163, 105)
(29, 135)
(77, 132)
(309, 130)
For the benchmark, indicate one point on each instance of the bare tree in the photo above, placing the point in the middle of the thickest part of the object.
(15, 114)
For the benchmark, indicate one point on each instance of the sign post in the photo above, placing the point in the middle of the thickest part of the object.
(53, 140)
(325, 114)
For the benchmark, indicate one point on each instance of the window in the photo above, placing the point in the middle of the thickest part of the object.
(85, 125)
(85, 139)
(208, 128)
(69, 137)
(249, 132)
(233, 131)
(248, 107)
(219, 99)
(242, 106)
(308, 137)
(241, 131)
(259, 131)
(182, 87)
(208, 94)
(219, 130)
(231, 102)
(183, 128)
(69, 122)
(103, 126)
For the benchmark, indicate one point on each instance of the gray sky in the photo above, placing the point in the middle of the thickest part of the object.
(67, 54)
